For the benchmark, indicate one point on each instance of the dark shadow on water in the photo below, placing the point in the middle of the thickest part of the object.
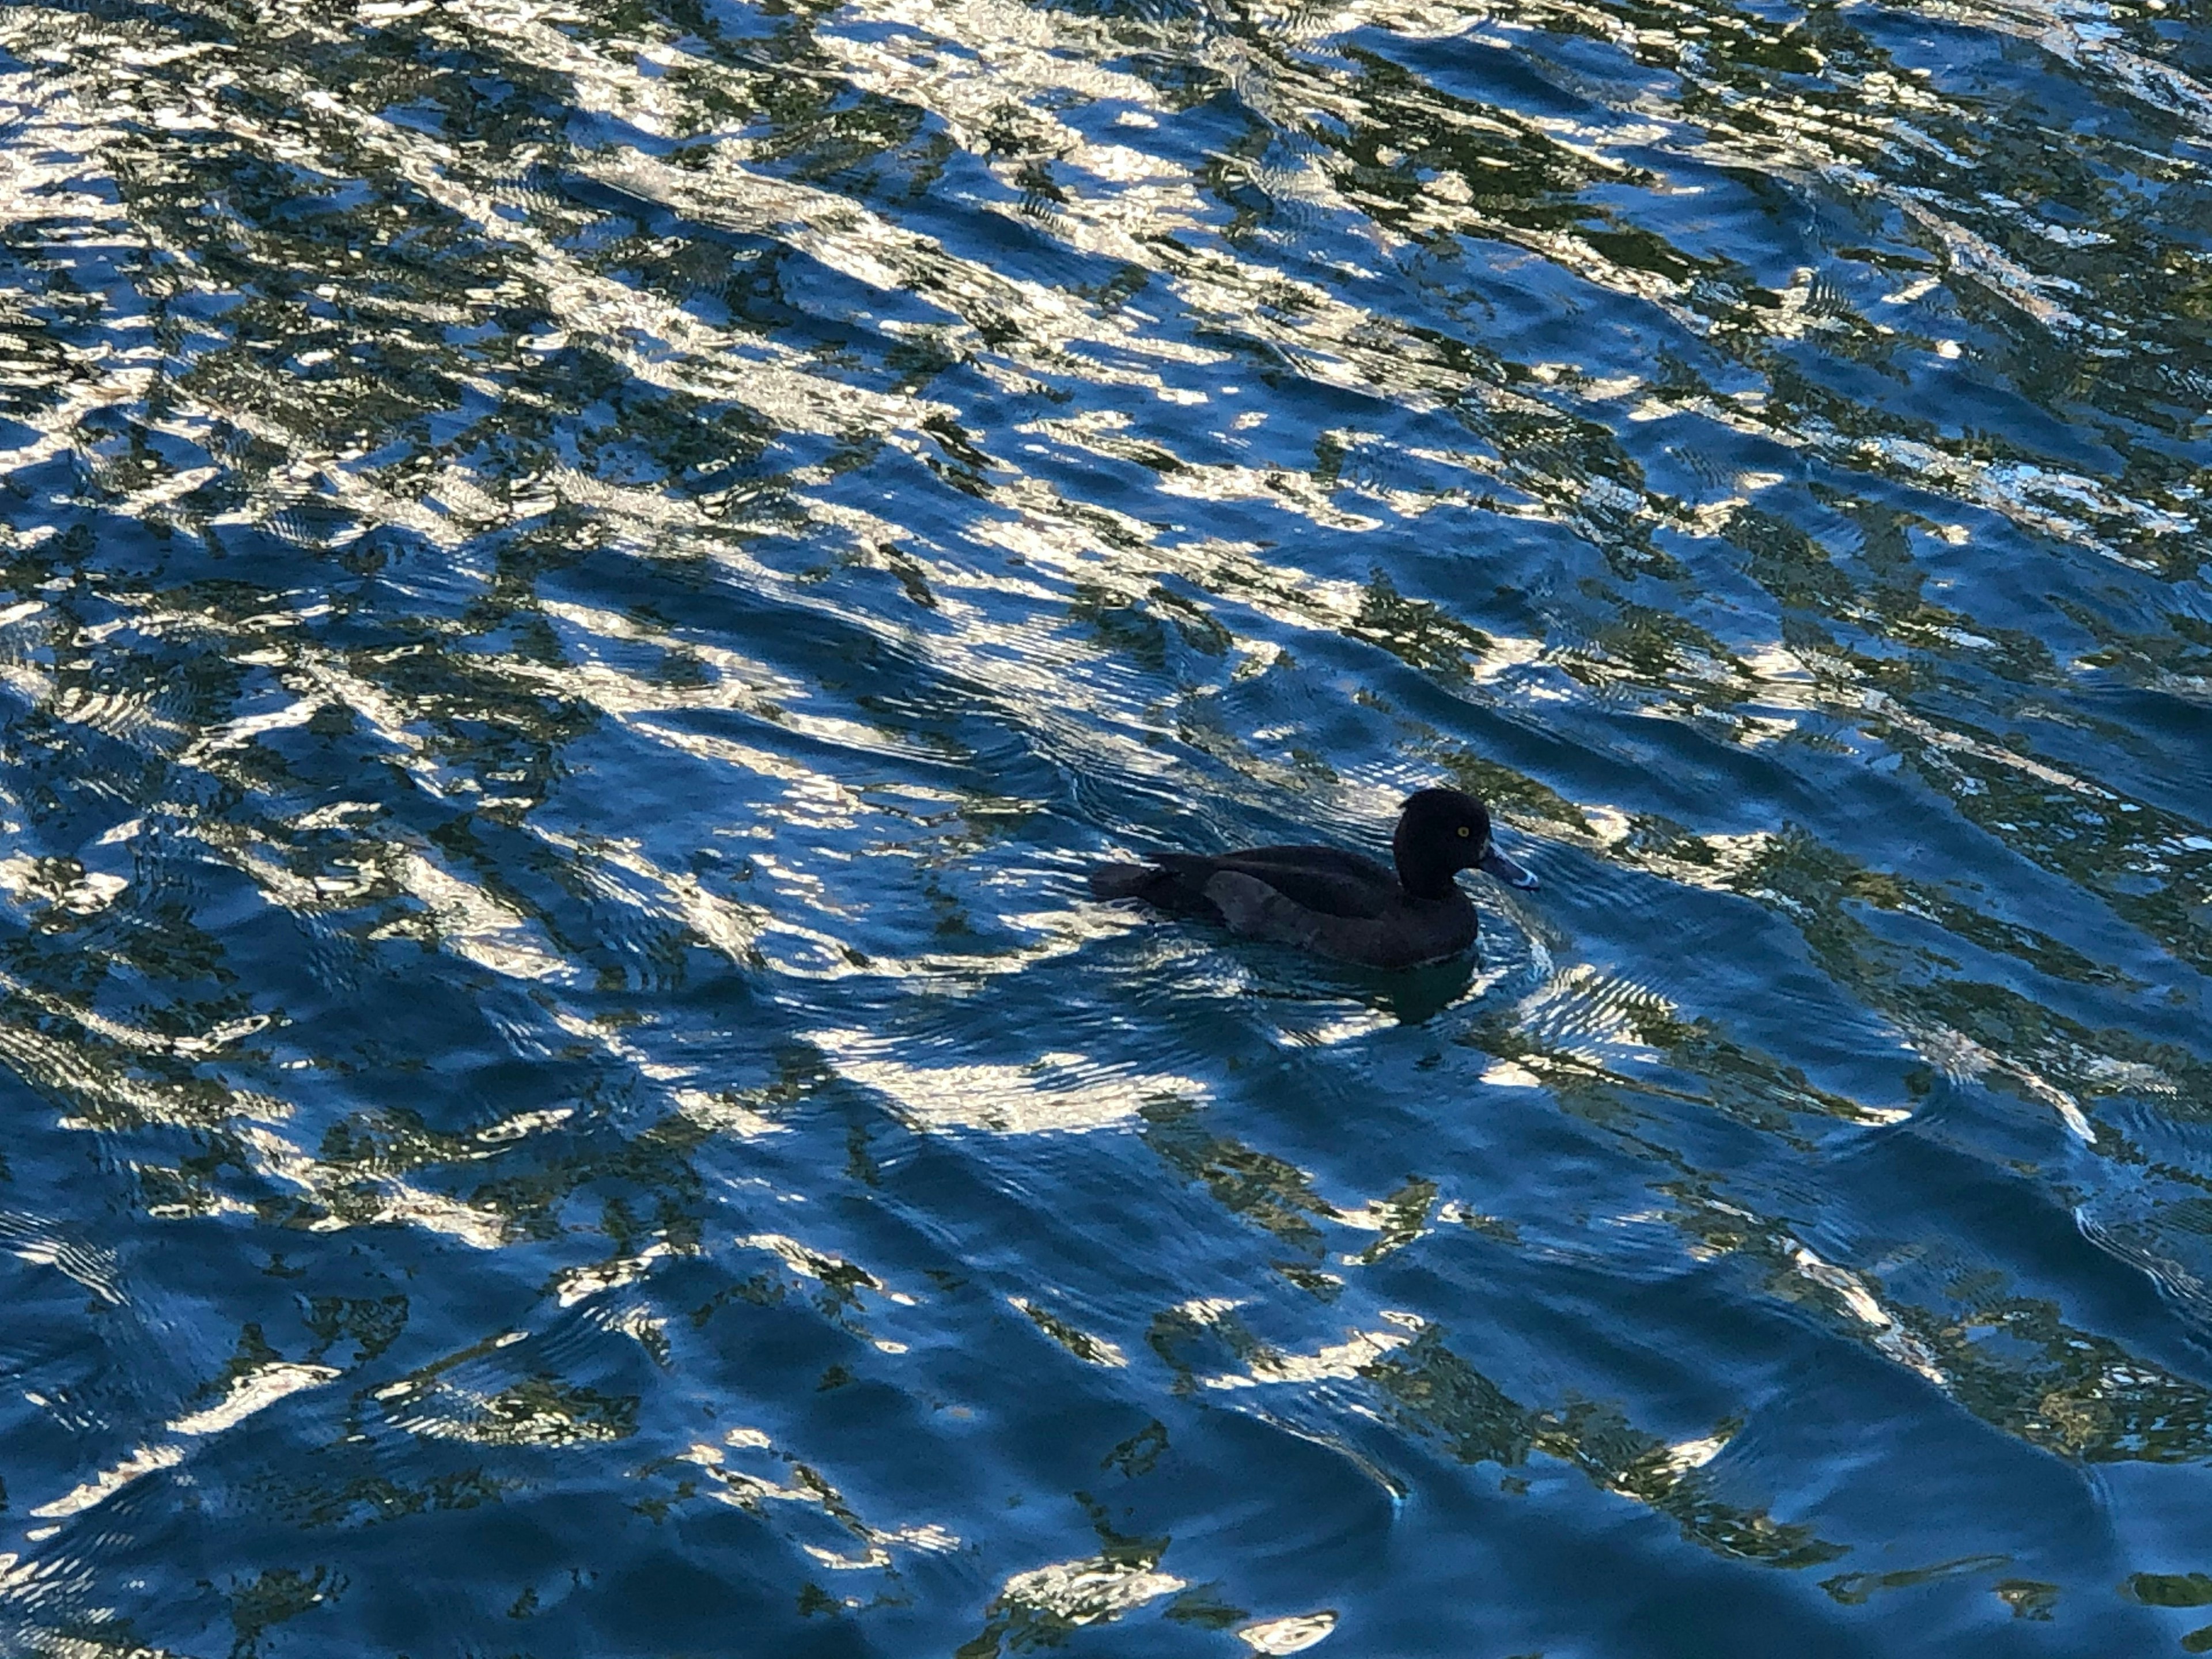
(1414, 996)
(1411, 996)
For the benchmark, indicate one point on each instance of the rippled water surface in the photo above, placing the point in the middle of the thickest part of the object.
(583, 580)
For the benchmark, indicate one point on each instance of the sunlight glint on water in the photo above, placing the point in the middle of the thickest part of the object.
(583, 584)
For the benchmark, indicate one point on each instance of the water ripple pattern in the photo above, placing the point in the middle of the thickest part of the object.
(582, 582)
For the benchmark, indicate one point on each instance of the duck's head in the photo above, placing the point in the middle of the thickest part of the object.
(1440, 831)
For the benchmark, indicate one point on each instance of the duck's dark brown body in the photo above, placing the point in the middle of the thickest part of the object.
(1335, 902)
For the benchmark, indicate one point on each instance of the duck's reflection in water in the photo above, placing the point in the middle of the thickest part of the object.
(1346, 1001)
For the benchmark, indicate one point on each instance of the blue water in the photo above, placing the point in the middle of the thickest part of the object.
(583, 582)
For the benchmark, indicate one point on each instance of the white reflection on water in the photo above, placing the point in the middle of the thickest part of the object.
(1054, 1092)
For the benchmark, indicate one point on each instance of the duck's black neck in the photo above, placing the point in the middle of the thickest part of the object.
(1425, 871)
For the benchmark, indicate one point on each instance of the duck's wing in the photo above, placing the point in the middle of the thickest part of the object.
(1407, 935)
(1324, 880)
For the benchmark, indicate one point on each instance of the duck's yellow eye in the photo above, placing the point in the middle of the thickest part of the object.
(1462, 832)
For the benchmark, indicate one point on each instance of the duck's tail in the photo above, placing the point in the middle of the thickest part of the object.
(1175, 885)
(1120, 881)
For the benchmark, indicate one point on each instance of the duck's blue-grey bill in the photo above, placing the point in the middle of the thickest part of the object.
(1505, 870)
